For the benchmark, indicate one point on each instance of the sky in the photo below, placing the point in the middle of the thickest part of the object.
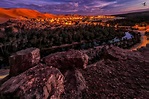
(84, 7)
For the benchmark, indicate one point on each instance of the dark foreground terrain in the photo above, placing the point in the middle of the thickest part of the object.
(104, 72)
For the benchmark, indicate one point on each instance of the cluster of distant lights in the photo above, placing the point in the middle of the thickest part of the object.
(70, 20)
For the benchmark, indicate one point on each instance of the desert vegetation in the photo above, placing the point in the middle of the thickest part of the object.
(18, 35)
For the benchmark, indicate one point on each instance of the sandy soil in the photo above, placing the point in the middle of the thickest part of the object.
(22, 13)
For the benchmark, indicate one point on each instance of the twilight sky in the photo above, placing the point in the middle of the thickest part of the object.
(90, 7)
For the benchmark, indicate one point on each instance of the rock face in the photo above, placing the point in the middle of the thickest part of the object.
(23, 60)
(75, 84)
(67, 60)
(39, 82)
(69, 63)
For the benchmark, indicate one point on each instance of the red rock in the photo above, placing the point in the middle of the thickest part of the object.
(23, 60)
(66, 60)
(75, 85)
(39, 82)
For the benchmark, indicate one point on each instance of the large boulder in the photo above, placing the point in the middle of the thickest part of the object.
(39, 82)
(67, 60)
(23, 60)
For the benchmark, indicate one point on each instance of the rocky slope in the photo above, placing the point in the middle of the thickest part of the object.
(120, 74)
(112, 73)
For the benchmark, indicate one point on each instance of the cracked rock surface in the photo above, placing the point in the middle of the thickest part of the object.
(39, 82)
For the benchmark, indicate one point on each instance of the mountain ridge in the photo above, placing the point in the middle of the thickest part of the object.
(146, 11)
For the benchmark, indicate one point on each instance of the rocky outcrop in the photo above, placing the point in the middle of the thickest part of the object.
(23, 60)
(45, 80)
(112, 53)
(116, 73)
(39, 82)
(67, 60)
(120, 74)
(69, 63)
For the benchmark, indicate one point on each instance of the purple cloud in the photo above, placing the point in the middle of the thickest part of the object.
(77, 6)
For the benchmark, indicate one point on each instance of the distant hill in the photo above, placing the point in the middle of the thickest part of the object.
(22, 13)
(134, 14)
(136, 17)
